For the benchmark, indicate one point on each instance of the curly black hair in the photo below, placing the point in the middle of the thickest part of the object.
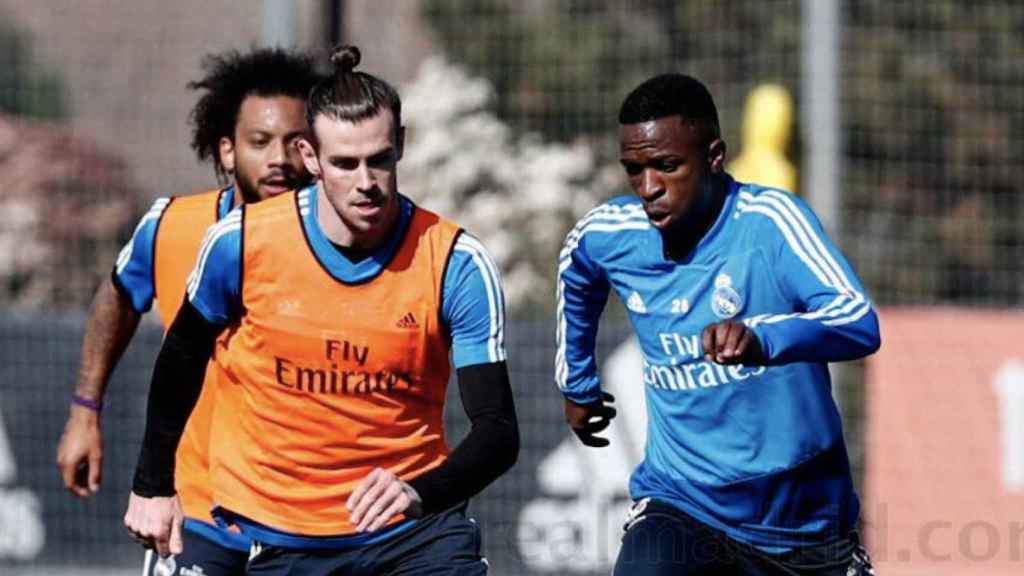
(229, 78)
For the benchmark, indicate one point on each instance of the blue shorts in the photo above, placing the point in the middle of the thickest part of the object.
(446, 543)
(202, 557)
(661, 540)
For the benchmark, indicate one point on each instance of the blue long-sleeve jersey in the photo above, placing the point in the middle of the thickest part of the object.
(757, 452)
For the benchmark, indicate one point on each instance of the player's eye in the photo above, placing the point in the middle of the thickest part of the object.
(382, 160)
(668, 167)
(632, 169)
(345, 163)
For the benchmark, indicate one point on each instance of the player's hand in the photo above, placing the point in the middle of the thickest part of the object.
(589, 419)
(731, 342)
(380, 497)
(156, 523)
(80, 452)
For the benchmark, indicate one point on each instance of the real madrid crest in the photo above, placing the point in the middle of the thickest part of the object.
(725, 301)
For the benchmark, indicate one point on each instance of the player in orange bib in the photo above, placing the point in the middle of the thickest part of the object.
(343, 302)
(248, 120)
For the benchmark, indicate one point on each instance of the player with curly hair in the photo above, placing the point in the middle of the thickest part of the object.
(249, 116)
(348, 306)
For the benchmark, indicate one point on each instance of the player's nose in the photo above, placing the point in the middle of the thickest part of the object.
(651, 185)
(277, 153)
(364, 177)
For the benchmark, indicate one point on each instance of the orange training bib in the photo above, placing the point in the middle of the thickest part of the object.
(322, 381)
(179, 235)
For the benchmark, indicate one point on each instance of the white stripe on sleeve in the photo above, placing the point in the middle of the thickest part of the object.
(808, 247)
(154, 213)
(607, 218)
(495, 297)
(231, 223)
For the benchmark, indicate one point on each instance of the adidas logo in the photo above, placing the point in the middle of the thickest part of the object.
(408, 321)
(636, 303)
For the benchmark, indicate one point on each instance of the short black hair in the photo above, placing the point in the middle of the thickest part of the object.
(352, 96)
(671, 95)
(231, 77)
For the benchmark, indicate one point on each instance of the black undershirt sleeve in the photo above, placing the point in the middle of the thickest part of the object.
(490, 448)
(173, 393)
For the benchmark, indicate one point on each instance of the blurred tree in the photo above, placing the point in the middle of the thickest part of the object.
(934, 121)
(562, 68)
(25, 89)
(464, 162)
(932, 108)
(558, 69)
(67, 205)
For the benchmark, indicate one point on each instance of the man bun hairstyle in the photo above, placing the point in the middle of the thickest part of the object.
(346, 58)
(351, 95)
(670, 95)
(231, 77)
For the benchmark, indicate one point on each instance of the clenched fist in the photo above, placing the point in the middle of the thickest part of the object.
(731, 342)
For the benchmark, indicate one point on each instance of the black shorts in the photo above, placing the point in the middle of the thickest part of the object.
(662, 540)
(446, 543)
(201, 557)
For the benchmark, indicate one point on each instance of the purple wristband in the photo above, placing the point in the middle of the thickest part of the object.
(94, 405)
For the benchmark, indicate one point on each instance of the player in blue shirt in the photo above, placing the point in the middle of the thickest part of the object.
(739, 301)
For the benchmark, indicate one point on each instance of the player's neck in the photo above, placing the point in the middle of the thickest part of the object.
(680, 240)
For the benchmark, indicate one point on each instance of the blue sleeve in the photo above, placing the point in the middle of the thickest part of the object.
(214, 286)
(473, 305)
(581, 297)
(133, 272)
(832, 318)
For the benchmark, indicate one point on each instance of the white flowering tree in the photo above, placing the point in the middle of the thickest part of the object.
(518, 194)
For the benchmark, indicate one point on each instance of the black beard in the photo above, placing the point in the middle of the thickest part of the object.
(248, 193)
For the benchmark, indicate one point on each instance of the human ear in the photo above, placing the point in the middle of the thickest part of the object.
(716, 156)
(309, 158)
(226, 154)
